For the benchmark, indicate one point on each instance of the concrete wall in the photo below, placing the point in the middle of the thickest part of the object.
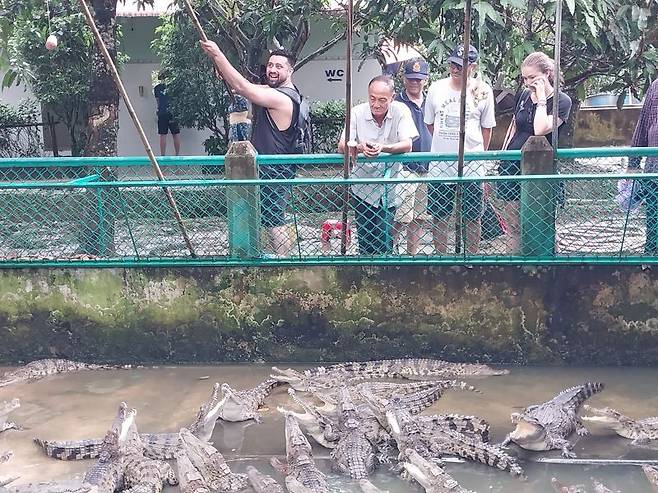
(519, 315)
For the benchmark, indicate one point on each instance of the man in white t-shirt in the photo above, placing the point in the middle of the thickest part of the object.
(442, 109)
(380, 125)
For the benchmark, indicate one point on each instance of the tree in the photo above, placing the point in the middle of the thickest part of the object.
(600, 38)
(246, 31)
(60, 78)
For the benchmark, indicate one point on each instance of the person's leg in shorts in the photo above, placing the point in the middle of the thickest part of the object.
(472, 207)
(273, 204)
(174, 128)
(510, 193)
(163, 130)
(404, 213)
(440, 204)
(416, 228)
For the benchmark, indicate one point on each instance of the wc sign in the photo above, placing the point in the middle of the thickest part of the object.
(334, 75)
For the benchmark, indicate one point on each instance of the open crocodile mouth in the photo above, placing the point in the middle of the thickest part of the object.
(126, 424)
(527, 431)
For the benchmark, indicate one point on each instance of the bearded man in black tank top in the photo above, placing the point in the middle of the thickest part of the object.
(275, 112)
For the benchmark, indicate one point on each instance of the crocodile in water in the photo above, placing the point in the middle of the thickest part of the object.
(638, 430)
(6, 408)
(161, 446)
(548, 426)
(242, 405)
(262, 483)
(300, 470)
(42, 368)
(430, 475)
(651, 472)
(210, 464)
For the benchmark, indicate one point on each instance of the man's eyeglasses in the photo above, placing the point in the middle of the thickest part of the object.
(455, 66)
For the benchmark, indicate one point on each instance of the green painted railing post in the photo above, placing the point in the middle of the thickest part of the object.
(97, 223)
(537, 208)
(243, 202)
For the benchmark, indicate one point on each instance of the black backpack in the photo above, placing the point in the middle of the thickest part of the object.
(302, 143)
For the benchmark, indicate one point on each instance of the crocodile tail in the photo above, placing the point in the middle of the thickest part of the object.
(71, 450)
(584, 392)
(491, 455)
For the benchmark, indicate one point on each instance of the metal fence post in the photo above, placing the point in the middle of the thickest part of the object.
(243, 202)
(537, 208)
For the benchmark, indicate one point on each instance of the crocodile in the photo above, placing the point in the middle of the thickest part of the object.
(210, 464)
(6, 408)
(414, 403)
(341, 373)
(430, 475)
(651, 472)
(106, 475)
(161, 446)
(599, 487)
(639, 430)
(242, 405)
(300, 470)
(189, 479)
(262, 483)
(434, 442)
(548, 426)
(42, 368)
(143, 474)
(415, 397)
(357, 434)
(5, 457)
(64, 486)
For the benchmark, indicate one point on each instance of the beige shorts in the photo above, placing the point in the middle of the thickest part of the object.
(413, 199)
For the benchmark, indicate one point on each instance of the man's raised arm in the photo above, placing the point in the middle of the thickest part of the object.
(261, 95)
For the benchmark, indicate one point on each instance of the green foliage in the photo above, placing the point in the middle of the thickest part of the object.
(613, 38)
(59, 78)
(327, 120)
(17, 137)
(196, 97)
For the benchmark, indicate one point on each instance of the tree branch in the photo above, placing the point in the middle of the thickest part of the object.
(322, 49)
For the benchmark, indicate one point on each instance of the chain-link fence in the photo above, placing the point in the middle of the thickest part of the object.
(110, 211)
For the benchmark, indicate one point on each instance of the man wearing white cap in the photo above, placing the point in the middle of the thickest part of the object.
(442, 111)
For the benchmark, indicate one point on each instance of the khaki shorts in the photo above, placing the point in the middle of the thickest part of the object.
(413, 199)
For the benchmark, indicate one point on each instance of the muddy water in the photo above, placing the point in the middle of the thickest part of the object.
(82, 405)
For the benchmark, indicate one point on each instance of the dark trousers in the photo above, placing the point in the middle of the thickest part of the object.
(650, 195)
(373, 227)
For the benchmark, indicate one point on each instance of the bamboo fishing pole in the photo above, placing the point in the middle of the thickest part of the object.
(138, 126)
(349, 149)
(202, 35)
(459, 223)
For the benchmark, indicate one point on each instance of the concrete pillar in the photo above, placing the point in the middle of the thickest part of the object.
(537, 208)
(243, 202)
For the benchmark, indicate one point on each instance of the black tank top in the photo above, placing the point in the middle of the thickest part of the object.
(266, 137)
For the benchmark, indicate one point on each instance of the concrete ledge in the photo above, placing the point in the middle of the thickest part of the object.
(515, 315)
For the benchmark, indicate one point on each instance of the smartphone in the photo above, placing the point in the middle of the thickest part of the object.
(370, 146)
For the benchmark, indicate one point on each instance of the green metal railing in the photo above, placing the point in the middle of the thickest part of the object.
(109, 212)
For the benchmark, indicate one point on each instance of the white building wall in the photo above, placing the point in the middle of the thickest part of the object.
(134, 76)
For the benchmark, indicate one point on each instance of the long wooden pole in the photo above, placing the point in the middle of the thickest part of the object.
(459, 225)
(138, 126)
(348, 117)
(202, 35)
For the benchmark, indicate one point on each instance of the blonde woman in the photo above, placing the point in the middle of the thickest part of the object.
(533, 115)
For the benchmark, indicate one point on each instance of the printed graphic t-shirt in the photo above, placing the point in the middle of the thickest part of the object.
(442, 111)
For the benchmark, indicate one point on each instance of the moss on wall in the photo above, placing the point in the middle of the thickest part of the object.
(552, 315)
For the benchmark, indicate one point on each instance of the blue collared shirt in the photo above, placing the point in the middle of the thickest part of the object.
(424, 142)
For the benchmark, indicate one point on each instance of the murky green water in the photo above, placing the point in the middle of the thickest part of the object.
(82, 405)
